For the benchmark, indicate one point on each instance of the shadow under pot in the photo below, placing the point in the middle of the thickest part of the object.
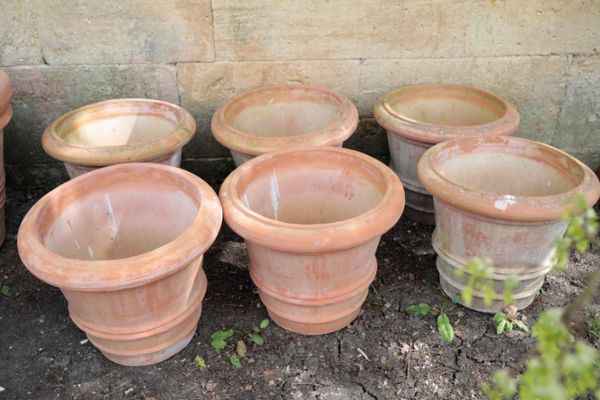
(5, 116)
(125, 245)
(312, 219)
(417, 117)
(502, 198)
(279, 117)
(119, 131)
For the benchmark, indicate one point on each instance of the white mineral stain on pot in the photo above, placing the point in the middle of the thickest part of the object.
(505, 202)
(111, 215)
(275, 196)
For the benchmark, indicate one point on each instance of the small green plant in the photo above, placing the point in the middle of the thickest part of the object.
(561, 367)
(200, 363)
(5, 289)
(256, 336)
(218, 340)
(235, 361)
(593, 329)
(444, 327)
(505, 321)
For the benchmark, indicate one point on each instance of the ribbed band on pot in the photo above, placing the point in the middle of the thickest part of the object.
(411, 128)
(5, 95)
(320, 237)
(500, 205)
(252, 145)
(54, 143)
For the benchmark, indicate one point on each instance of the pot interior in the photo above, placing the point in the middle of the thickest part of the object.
(311, 189)
(117, 220)
(446, 105)
(118, 124)
(283, 112)
(510, 168)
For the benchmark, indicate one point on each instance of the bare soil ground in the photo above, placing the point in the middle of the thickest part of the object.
(384, 354)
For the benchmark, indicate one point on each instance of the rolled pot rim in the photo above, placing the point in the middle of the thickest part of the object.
(6, 91)
(332, 135)
(313, 238)
(400, 125)
(482, 202)
(99, 156)
(117, 274)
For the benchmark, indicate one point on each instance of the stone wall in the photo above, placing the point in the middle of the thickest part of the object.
(542, 55)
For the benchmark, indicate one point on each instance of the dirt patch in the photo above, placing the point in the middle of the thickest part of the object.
(384, 354)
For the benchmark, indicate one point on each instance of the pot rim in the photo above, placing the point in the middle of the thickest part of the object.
(6, 91)
(331, 135)
(482, 202)
(99, 156)
(128, 272)
(313, 238)
(400, 125)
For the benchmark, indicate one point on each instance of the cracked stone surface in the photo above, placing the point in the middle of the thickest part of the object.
(44, 356)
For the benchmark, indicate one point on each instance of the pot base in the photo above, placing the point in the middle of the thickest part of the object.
(150, 358)
(312, 328)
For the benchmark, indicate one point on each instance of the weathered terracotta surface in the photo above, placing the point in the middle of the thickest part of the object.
(280, 117)
(125, 245)
(501, 197)
(5, 116)
(119, 131)
(419, 116)
(312, 219)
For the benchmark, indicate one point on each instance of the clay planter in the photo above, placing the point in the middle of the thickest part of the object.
(125, 245)
(280, 117)
(119, 131)
(502, 198)
(312, 219)
(5, 116)
(418, 116)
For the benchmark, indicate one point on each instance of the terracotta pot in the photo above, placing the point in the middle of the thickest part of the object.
(312, 219)
(125, 246)
(280, 117)
(5, 116)
(503, 198)
(418, 116)
(119, 131)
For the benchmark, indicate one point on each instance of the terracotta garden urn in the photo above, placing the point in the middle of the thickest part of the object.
(119, 131)
(279, 117)
(501, 197)
(417, 117)
(312, 219)
(5, 116)
(125, 245)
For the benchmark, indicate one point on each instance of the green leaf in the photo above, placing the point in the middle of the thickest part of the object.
(264, 324)
(507, 289)
(241, 348)
(218, 344)
(257, 339)
(467, 295)
(521, 325)
(222, 335)
(509, 326)
(499, 317)
(444, 328)
(256, 329)
(200, 363)
(235, 361)
(5, 290)
(419, 309)
(502, 387)
(500, 327)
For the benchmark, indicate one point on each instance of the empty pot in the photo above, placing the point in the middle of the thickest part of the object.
(119, 131)
(418, 116)
(280, 117)
(312, 219)
(503, 198)
(125, 246)
(5, 116)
